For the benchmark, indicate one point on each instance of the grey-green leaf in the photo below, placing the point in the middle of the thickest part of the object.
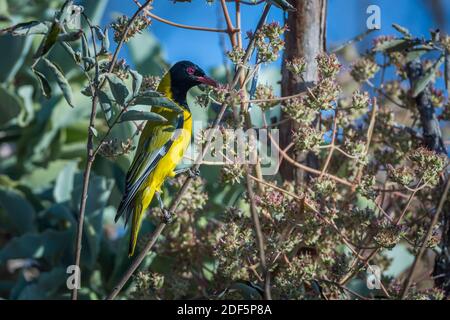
(10, 105)
(28, 28)
(107, 105)
(105, 42)
(61, 80)
(137, 81)
(135, 115)
(447, 70)
(405, 32)
(415, 53)
(428, 76)
(70, 36)
(394, 45)
(19, 211)
(63, 188)
(282, 4)
(49, 41)
(118, 89)
(45, 86)
(153, 98)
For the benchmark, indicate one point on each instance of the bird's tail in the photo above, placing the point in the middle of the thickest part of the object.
(141, 203)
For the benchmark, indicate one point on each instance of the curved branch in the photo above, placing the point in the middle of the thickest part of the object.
(183, 26)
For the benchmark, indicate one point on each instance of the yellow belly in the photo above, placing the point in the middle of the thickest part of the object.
(166, 166)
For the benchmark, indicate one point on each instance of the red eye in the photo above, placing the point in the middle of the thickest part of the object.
(190, 70)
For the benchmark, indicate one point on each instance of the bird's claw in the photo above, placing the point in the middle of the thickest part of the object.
(167, 216)
(193, 173)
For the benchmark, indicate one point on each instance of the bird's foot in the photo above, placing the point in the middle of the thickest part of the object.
(193, 173)
(167, 216)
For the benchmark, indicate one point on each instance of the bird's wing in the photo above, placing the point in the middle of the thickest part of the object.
(154, 144)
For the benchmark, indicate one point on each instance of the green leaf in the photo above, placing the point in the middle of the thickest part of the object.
(28, 28)
(70, 36)
(10, 105)
(65, 12)
(45, 286)
(19, 211)
(415, 54)
(75, 55)
(282, 4)
(153, 98)
(118, 89)
(427, 77)
(44, 245)
(447, 70)
(62, 81)
(49, 41)
(105, 42)
(108, 106)
(63, 188)
(13, 58)
(41, 178)
(405, 32)
(93, 131)
(85, 53)
(99, 33)
(137, 81)
(46, 89)
(395, 45)
(98, 192)
(135, 115)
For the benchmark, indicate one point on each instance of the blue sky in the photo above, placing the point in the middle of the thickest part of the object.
(346, 19)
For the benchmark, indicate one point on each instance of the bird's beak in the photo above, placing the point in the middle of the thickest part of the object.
(208, 81)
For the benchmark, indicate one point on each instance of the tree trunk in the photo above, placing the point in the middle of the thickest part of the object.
(306, 38)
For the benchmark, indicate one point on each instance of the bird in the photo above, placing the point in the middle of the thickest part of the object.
(161, 147)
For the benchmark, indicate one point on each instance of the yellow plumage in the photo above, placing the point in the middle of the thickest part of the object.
(154, 136)
(161, 146)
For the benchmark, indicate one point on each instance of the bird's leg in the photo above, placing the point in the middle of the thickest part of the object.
(192, 172)
(167, 216)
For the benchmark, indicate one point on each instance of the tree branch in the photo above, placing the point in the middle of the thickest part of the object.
(90, 145)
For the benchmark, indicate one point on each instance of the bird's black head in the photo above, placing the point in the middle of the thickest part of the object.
(183, 76)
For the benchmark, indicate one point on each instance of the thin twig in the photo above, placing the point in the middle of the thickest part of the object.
(90, 145)
(427, 237)
(370, 130)
(333, 141)
(179, 25)
(230, 27)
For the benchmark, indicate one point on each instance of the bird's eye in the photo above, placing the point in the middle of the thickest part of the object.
(190, 70)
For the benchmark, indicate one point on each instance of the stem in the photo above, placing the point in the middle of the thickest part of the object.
(427, 237)
(86, 175)
(332, 146)
(87, 171)
(373, 118)
(230, 27)
(182, 26)
(247, 168)
(90, 145)
(259, 235)
(136, 262)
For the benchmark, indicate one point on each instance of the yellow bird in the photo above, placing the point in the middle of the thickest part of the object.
(161, 147)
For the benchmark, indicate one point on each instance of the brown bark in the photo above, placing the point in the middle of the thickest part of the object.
(306, 38)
